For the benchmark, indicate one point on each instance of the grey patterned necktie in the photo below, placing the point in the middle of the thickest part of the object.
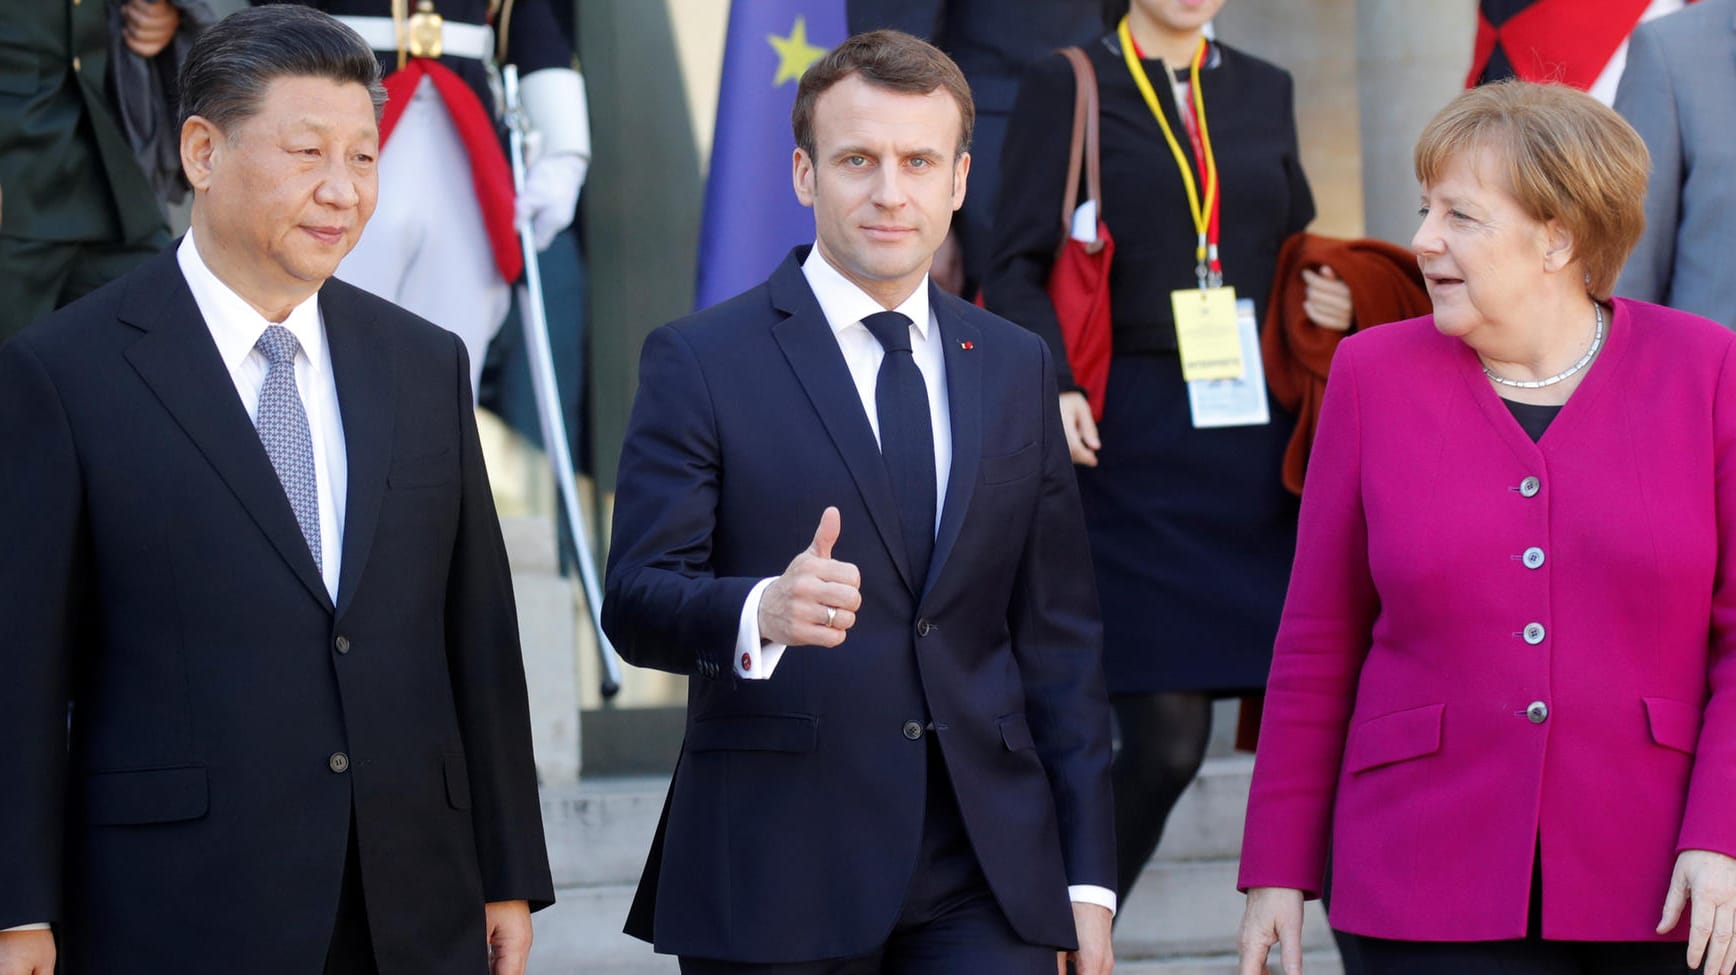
(282, 423)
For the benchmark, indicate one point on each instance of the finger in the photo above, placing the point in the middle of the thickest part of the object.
(826, 535)
(1060, 963)
(1672, 904)
(839, 596)
(1088, 431)
(844, 575)
(843, 619)
(1700, 916)
(1076, 449)
(1327, 272)
(1290, 947)
(1253, 958)
(1718, 956)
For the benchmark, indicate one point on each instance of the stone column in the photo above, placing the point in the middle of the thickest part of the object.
(1412, 56)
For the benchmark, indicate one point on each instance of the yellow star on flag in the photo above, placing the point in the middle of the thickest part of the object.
(794, 52)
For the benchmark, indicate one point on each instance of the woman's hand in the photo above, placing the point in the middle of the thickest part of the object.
(1707, 881)
(1081, 430)
(1273, 917)
(1327, 300)
(150, 25)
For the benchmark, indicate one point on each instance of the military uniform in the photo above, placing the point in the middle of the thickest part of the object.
(77, 209)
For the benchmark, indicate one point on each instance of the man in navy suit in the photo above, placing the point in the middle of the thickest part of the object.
(846, 511)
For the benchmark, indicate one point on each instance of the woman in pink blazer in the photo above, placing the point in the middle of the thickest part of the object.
(1504, 688)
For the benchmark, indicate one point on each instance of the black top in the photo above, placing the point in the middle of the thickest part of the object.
(1250, 114)
(1532, 418)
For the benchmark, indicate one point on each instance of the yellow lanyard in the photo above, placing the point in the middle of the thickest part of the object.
(1201, 212)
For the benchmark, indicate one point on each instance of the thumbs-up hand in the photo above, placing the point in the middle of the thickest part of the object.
(815, 601)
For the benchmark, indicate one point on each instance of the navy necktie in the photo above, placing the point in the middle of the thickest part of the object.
(906, 437)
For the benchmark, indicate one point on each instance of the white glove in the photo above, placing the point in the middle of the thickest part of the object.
(558, 151)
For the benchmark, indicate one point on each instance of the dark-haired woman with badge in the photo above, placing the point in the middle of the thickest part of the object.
(1191, 529)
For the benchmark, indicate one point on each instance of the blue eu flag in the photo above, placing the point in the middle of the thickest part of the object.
(752, 218)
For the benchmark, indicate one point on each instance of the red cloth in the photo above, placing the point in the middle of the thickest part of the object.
(490, 174)
(1566, 41)
(1385, 286)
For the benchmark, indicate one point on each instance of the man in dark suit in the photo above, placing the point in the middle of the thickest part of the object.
(897, 748)
(264, 709)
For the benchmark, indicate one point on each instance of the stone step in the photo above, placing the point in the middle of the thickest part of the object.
(600, 829)
(1183, 922)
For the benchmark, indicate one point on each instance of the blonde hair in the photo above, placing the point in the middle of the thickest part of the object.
(1567, 157)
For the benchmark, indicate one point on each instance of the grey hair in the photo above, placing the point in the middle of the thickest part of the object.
(234, 61)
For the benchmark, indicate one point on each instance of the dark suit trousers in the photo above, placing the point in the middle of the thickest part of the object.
(950, 923)
(352, 949)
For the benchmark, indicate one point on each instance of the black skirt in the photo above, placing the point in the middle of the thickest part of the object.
(1192, 534)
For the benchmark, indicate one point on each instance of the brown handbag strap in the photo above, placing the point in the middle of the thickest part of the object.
(1084, 145)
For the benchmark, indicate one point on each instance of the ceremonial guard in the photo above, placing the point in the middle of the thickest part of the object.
(442, 242)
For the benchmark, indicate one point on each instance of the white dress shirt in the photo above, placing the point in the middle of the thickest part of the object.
(235, 327)
(845, 305)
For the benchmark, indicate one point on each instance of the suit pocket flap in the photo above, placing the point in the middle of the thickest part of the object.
(1675, 724)
(1396, 737)
(1010, 467)
(162, 795)
(1016, 733)
(457, 781)
(754, 733)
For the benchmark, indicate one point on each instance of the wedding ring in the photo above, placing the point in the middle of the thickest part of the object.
(831, 614)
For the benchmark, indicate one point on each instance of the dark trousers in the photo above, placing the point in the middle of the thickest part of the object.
(352, 949)
(38, 276)
(950, 923)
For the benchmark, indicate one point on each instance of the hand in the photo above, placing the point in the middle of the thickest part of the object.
(551, 193)
(792, 610)
(27, 952)
(1081, 429)
(1095, 955)
(508, 924)
(1273, 917)
(1327, 300)
(150, 26)
(1707, 881)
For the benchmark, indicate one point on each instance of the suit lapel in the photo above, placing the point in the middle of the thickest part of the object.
(964, 398)
(362, 366)
(812, 350)
(178, 360)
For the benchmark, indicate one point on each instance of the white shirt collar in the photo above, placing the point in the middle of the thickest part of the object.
(845, 304)
(235, 325)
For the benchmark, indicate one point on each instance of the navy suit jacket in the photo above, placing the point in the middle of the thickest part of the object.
(794, 819)
(153, 580)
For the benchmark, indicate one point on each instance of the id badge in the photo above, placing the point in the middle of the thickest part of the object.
(1206, 332)
(1239, 401)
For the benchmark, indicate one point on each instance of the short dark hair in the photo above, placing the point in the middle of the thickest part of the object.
(235, 60)
(885, 59)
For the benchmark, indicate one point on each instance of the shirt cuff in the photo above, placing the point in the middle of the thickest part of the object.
(38, 926)
(1092, 894)
(752, 661)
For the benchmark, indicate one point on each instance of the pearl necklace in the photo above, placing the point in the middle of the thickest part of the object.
(1565, 374)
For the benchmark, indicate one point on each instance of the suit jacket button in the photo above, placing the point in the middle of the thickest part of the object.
(924, 627)
(1537, 712)
(913, 730)
(342, 643)
(339, 762)
(1533, 633)
(1533, 558)
(1529, 487)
